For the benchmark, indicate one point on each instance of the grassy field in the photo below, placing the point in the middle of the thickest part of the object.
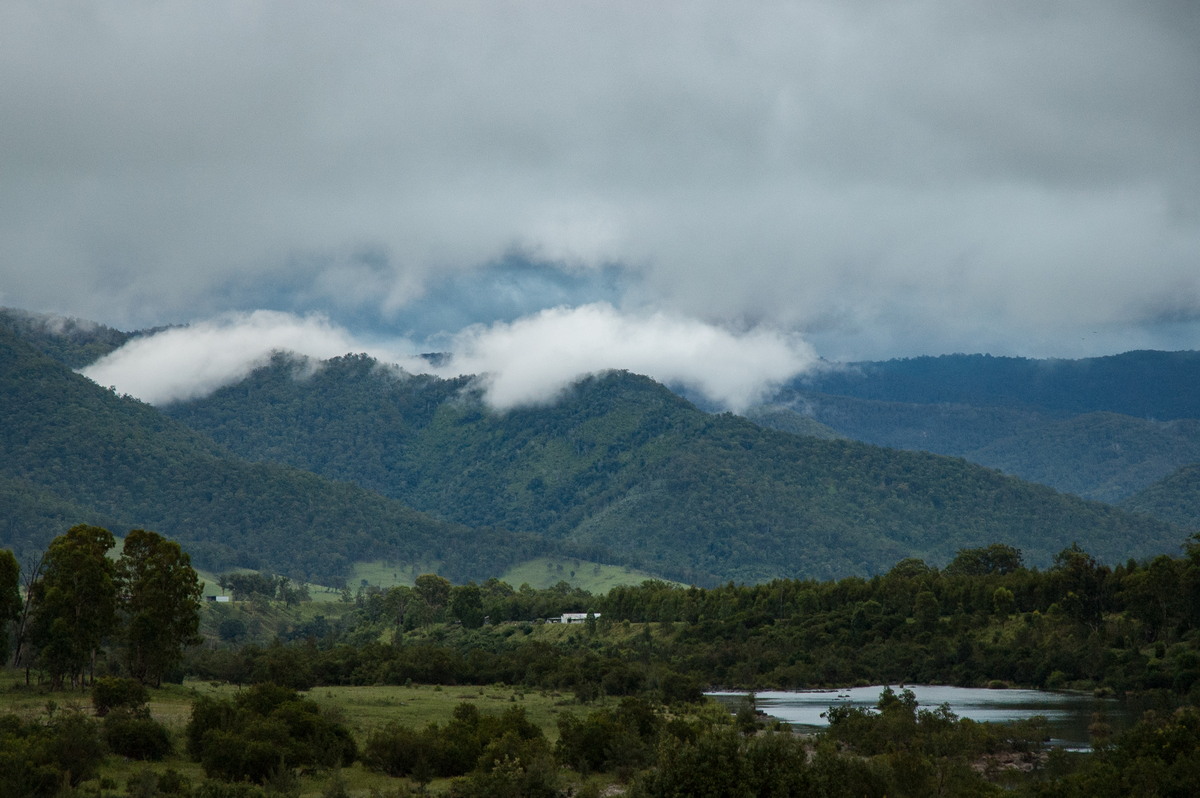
(595, 578)
(264, 620)
(362, 709)
(540, 573)
(378, 573)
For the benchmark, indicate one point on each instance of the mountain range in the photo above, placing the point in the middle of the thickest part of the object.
(1102, 428)
(74, 452)
(306, 468)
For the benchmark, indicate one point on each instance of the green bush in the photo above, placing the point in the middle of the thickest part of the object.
(511, 767)
(400, 751)
(136, 735)
(37, 758)
(265, 730)
(452, 750)
(218, 789)
(110, 692)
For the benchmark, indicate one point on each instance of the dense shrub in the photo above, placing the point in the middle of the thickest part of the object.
(218, 789)
(452, 750)
(169, 782)
(111, 692)
(398, 750)
(265, 730)
(511, 767)
(37, 758)
(620, 739)
(136, 735)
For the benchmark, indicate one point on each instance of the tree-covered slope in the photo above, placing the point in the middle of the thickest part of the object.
(620, 462)
(71, 448)
(788, 419)
(32, 515)
(1144, 384)
(1175, 498)
(75, 342)
(1104, 456)
(1098, 455)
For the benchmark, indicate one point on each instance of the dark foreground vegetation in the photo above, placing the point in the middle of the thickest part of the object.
(612, 703)
(984, 618)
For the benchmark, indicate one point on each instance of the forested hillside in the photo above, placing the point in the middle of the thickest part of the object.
(1097, 455)
(1175, 499)
(1143, 384)
(74, 342)
(1102, 428)
(73, 451)
(620, 462)
(619, 470)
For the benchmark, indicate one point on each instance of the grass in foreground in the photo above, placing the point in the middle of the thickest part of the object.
(362, 709)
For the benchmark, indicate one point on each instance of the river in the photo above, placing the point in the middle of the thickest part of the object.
(1067, 714)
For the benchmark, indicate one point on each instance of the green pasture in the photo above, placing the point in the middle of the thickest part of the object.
(362, 709)
(595, 578)
(539, 573)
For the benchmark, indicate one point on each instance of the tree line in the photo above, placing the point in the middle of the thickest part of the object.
(138, 611)
(984, 618)
(650, 653)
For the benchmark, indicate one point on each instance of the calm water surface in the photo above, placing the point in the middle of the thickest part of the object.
(1068, 714)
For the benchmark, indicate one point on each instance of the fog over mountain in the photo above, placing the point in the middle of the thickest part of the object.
(578, 184)
(526, 362)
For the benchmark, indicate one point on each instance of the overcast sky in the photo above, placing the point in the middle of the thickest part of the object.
(590, 181)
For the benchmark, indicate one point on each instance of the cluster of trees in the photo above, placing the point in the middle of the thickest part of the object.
(933, 751)
(1135, 626)
(985, 617)
(245, 586)
(587, 670)
(433, 599)
(39, 756)
(470, 741)
(265, 730)
(144, 605)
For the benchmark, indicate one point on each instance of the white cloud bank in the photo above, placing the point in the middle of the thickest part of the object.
(533, 359)
(189, 362)
(529, 361)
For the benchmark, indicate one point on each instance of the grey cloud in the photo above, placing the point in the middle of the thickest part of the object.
(887, 178)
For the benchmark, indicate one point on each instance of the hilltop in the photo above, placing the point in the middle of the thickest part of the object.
(72, 452)
(620, 463)
(310, 468)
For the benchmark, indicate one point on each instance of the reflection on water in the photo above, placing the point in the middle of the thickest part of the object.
(1068, 714)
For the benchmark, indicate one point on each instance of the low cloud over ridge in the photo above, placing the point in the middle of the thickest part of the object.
(528, 361)
(534, 358)
(189, 362)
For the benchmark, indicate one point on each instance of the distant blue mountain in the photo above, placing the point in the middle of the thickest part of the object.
(1143, 384)
(1103, 428)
